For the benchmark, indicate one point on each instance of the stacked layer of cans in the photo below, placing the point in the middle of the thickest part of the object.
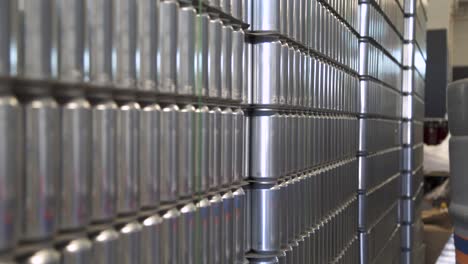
(303, 92)
(414, 60)
(96, 171)
(381, 51)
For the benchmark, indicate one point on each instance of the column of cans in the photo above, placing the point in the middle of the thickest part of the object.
(99, 162)
(381, 48)
(414, 60)
(302, 91)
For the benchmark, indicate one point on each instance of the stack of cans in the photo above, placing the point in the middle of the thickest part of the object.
(414, 60)
(380, 69)
(121, 132)
(303, 92)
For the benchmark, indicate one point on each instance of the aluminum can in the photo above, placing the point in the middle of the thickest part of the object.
(151, 239)
(215, 148)
(44, 256)
(216, 229)
(170, 231)
(149, 169)
(187, 233)
(128, 117)
(238, 39)
(148, 30)
(225, 6)
(266, 15)
(236, 9)
(201, 55)
(11, 156)
(186, 51)
(238, 144)
(167, 46)
(169, 189)
(266, 75)
(105, 247)
(77, 251)
(103, 196)
(75, 195)
(226, 61)
(226, 147)
(214, 57)
(284, 65)
(42, 152)
(130, 243)
(186, 144)
(227, 235)
(239, 225)
(203, 231)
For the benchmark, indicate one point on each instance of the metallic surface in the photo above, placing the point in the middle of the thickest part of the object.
(167, 46)
(106, 247)
(186, 146)
(169, 166)
(186, 50)
(77, 251)
(130, 245)
(151, 239)
(170, 231)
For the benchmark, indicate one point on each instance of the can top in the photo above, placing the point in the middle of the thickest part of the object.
(216, 199)
(188, 208)
(80, 244)
(44, 256)
(228, 195)
(239, 192)
(173, 213)
(203, 203)
(152, 220)
(131, 227)
(152, 107)
(107, 235)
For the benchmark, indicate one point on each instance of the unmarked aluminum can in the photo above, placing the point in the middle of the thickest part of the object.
(186, 144)
(214, 56)
(226, 147)
(187, 234)
(167, 46)
(148, 30)
(75, 164)
(216, 229)
(77, 251)
(236, 9)
(103, 205)
(130, 245)
(266, 75)
(169, 165)
(125, 42)
(201, 57)
(203, 232)
(44, 256)
(128, 117)
(215, 148)
(227, 235)
(11, 143)
(170, 230)
(202, 148)
(99, 22)
(151, 240)
(265, 218)
(106, 247)
(239, 225)
(149, 156)
(266, 15)
(237, 145)
(225, 6)
(186, 51)
(226, 61)
(238, 37)
(42, 168)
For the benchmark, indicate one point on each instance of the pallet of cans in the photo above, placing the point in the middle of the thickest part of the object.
(414, 60)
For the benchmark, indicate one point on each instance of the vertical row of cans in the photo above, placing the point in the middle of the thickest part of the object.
(414, 60)
(381, 49)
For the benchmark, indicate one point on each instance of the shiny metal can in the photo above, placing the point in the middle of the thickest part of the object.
(44, 256)
(216, 229)
(236, 9)
(284, 82)
(149, 156)
(201, 55)
(226, 147)
(214, 57)
(265, 15)
(238, 39)
(11, 156)
(127, 125)
(238, 145)
(265, 218)
(125, 42)
(130, 243)
(225, 6)
(186, 144)
(170, 230)
(167, 46)
(42, 168)
(215, 148)
(203, 231)
(75, 195)
(227, 235)
(186, 50)
(187, 234)
(148, 30)
(77, 251)
(266, 75)
(226, 61)
(151, 240)
(239, 225)
(103, 175)
(169, 189)
(105, 247)
(248, 74)
(202, 149)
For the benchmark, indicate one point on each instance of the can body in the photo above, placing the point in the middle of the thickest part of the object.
(151, 240)
(202, 149)
(106, 247)
(238, 145)
(186, 144)
(226, 61)
(130, 245)
(227, 235)
(203, 232)
(167, 46)
(216, 229)
(201, 55)
(186, 51)
(169, 168)
(78, 251)
(239, 225)
(187, 234)
(76, 164)
(214, 57)
(226, 147)
(170, 230)
(266, 75)
(266, 15)
(148, 30)
(42, 168)
(215, 148)
(238, 37)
